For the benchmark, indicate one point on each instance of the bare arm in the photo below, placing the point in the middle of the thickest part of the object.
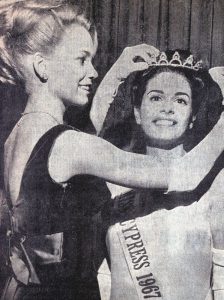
(122, 68)
(187, 172)
(79, 153)
(216, 198)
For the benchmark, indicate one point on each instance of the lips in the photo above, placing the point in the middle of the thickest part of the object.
(85, 87)
(166, 122)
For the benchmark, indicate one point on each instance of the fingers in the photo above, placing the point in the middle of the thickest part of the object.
(135, 58)
(139, 57)
(217, 75)
(147, 48)
(141, 66)
(144, 51)
(149, 59)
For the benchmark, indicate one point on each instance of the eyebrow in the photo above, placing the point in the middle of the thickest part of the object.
(161, 92)
(155, 91)
(181, 93)
(87, 53)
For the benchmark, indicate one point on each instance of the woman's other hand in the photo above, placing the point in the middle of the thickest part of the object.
(217, 74)
(132, 59)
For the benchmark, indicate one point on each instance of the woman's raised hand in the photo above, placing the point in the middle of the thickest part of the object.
(217, 74)
(135, 58)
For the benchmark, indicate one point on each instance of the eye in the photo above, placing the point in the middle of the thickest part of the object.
(155, 98)
(82, 60)
(181, 101)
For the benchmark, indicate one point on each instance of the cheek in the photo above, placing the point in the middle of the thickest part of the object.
(186, 115)
(72, 71)
(77, 75)
(147, 115)
(149, 109)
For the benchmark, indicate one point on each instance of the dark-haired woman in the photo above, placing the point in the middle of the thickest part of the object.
(162, 246)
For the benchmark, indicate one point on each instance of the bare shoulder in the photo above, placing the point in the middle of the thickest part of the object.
(30, 128)
(26, 134)
(19, 146)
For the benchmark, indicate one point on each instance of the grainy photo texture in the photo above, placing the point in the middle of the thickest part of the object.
(111, 149)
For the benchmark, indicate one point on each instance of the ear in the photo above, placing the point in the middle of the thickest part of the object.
(40, 67)
(137, 115)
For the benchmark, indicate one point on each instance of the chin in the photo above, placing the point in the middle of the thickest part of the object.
(82, 103)
(82, 100)
(78, 101)
(165, 142)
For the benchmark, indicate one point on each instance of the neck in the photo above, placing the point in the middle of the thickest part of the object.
(164, 154)
(43, 102)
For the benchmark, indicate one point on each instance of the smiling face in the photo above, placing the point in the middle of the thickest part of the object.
(70, 69)
(166, 108)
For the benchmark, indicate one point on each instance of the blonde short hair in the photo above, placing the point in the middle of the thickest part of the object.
(31, 26)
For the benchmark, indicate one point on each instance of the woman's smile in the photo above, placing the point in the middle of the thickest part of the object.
(164, 122)
(73, 58)
(166, 108)
(85, 87)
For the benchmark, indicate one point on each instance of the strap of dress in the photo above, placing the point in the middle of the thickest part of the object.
(47, 140)
(38, 159)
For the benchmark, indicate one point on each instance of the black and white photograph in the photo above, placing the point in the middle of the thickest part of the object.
(111, 149)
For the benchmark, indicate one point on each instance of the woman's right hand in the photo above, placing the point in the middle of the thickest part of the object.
(132, 59)
(135, 58)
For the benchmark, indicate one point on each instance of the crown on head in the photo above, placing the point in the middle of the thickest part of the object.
(176, 61)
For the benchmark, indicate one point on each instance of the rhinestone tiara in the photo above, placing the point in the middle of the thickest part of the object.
(176, 61)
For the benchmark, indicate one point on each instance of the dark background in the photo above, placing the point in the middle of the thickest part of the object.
(195, 25)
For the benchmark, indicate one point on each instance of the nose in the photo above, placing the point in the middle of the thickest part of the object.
(92, 73)
(168, 107)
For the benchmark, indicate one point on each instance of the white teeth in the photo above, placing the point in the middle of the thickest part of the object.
(164, 122)
(85, 87)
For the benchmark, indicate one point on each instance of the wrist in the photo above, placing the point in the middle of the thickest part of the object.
(117, 72)
(112, 83)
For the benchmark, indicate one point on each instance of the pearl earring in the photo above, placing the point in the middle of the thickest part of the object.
(192, 122)
(45, 77)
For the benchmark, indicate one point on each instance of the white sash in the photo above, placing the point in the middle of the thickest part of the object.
(136, 256)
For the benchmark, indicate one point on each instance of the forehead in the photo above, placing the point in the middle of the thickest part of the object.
(169, 82)
(76, 39)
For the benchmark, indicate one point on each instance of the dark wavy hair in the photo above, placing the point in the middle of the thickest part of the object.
(206, 106)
